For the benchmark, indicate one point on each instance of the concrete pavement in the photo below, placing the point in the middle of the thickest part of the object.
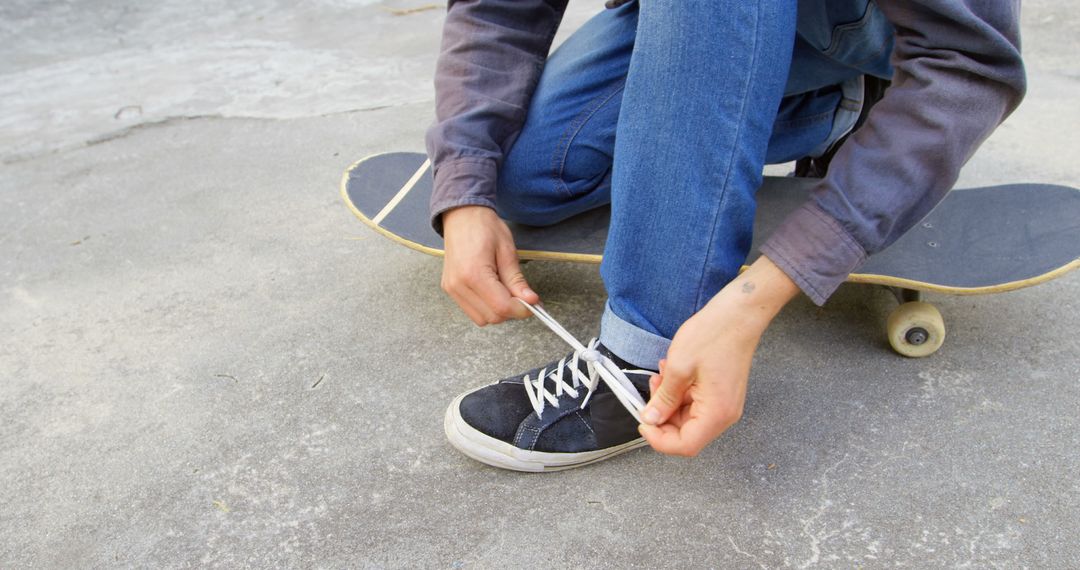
(207, 361)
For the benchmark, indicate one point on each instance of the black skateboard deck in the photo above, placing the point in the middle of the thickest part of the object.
(978, 240)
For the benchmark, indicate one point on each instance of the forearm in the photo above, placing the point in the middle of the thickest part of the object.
(712, 352)
(757, 295)
(491, 57)
(958, 74)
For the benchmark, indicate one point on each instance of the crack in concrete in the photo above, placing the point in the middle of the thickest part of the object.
(825, 503)
(172, 119)
(750, 555)
(124, 132)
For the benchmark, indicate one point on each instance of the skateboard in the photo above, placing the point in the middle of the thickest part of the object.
(976, 241)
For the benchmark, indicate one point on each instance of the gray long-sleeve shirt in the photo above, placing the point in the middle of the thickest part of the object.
(957, 75)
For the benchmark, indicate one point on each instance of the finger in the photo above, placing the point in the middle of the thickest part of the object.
(659, 437)
(475, 316)
(481, 306)
(458, 290)
(668, 396)
(681, 415)
(654, 384)
(686, 441)
(470, 304)
(514, 280)
(494, 296)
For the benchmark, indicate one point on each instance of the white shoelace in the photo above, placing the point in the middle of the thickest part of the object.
(599, 368)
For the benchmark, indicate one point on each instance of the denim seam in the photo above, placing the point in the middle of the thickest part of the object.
(629, 341)
(562, 150)
(877, 54)
(800, 122)
(731, 159)
(843, 29)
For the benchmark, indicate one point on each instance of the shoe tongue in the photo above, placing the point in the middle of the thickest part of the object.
(640, 381)
(618, 361)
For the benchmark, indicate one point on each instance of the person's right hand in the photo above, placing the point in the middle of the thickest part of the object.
(481, 270)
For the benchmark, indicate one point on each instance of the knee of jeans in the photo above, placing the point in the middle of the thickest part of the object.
(518, 187)
(508, 208)
(525, 208)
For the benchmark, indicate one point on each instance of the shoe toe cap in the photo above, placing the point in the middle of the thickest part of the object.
(496, 410)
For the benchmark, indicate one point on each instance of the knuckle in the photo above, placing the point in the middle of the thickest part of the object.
(667, 398)
(686, 449)
(506, 309)
(730, 415)
(678, 452)
(679, 370)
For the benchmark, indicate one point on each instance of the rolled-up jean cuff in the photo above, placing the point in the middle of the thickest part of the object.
(630, 343)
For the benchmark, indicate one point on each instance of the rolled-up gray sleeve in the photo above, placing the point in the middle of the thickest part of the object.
(492, 54)
(958, 75)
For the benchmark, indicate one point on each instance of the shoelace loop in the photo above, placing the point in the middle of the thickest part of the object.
(592, 355)
(599, 368)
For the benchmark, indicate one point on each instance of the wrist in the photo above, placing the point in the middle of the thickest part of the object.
(465, 216)
(758, 294)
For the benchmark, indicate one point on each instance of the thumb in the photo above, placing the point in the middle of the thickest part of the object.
(667, 397)
(511, 276)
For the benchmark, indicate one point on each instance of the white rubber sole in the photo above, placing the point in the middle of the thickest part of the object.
(497, 453)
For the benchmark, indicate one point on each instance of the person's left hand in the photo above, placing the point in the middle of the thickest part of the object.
(701, 387)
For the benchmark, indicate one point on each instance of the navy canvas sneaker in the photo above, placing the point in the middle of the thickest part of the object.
(575, 411)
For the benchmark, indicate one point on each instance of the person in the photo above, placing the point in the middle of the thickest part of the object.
(668, 110)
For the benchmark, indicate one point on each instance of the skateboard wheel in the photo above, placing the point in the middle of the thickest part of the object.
(916, 329)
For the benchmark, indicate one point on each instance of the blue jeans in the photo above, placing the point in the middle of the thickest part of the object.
(668, 110)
